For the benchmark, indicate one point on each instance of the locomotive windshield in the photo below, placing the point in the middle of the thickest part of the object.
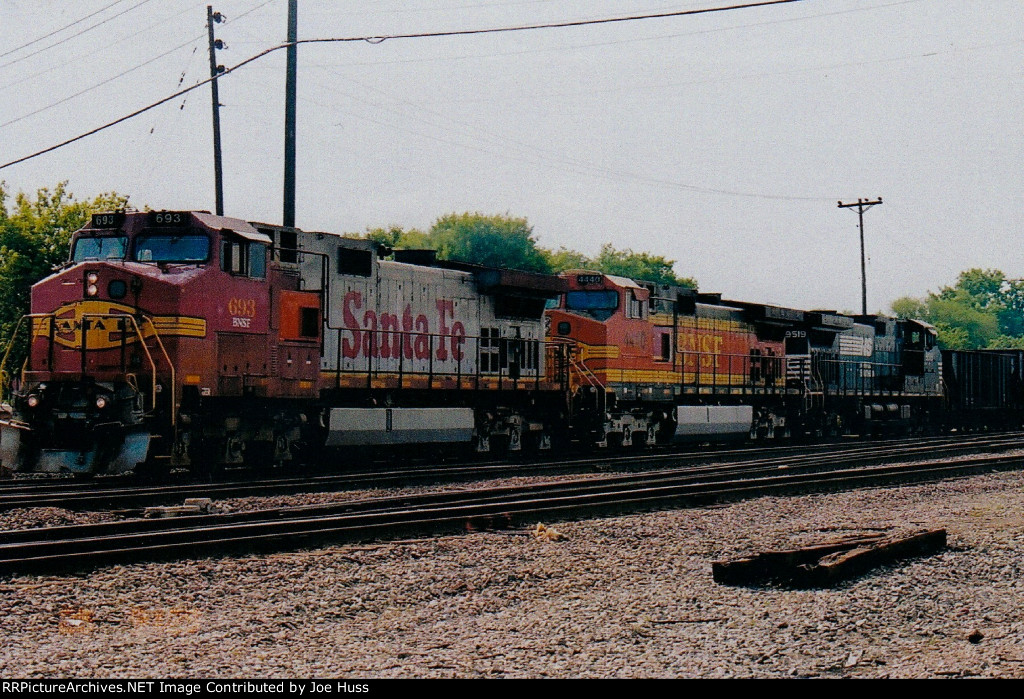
(172, 248)
(106, 248)
(597, 304)
(604, 300)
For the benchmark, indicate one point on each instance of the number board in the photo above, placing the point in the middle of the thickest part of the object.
(588, 279)
(169, 219)
(115, 220)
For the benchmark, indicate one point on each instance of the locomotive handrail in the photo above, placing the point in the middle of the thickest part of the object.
(170, 365)
(3, 382)
(142, 341)
(51, 317)
(7, 353)
(737, 366)
(389, 350)
(580, 365)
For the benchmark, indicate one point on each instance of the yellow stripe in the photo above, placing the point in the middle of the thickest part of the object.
(676, 377)
(182, 326)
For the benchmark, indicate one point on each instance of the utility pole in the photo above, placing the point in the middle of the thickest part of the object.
(862, 205)
(289, 114)
(215, 70)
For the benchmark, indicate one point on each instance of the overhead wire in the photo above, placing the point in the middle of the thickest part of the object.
(617, 42)
(83, 91)
(58, 31)
(69, 38)
(98, 49)
(380, 39)
(190, 42)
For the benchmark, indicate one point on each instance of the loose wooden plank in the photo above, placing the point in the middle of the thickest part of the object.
(769, 565)
(827, 563)
(847, 564)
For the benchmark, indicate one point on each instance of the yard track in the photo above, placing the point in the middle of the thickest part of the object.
(126, 494)
(84, 546)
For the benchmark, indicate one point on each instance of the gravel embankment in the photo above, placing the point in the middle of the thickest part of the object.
(623, 597)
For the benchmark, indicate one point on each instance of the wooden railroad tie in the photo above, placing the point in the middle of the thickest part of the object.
(821, 565)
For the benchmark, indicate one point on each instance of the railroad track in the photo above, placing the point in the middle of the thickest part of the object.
(127, 495)
(83, 546)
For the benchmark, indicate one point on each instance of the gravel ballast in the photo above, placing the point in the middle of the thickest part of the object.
(628, 596)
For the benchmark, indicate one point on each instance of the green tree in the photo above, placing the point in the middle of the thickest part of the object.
(34, 238)
(978, 288)
(506, 241)
(983, 309)
(907, 307)
(493, 241)
(396, 237)
(639, 266)
(980, 327)
(564, 259)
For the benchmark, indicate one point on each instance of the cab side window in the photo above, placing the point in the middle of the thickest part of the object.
(244, 258)
(635, 307)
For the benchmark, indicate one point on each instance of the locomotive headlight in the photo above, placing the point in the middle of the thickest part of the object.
(92, 277)
(101, 402)
(33, 400)
(92, 290)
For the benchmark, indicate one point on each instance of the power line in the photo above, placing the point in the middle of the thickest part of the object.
(69, 38)
(553, 25)
(15, 120)
(601, 44)
(58, 31)
(113, 44)
(380, 39)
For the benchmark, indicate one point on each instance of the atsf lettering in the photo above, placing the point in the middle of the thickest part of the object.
(388, 335)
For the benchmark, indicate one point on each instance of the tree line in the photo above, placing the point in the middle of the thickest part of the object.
(984, 309)
(507, 241)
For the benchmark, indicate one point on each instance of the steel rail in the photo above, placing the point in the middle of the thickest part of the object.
(134, 496)
(496, 508)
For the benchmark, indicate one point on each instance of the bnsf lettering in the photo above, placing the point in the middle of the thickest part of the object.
(387, 335)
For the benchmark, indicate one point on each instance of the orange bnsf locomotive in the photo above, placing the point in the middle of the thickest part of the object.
(188, 339)
(659, 363)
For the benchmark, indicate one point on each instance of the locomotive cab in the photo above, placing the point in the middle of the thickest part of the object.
(126, 332)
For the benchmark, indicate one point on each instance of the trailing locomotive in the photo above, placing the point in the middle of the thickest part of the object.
(662, 363)
(184, 339)
(187, 339)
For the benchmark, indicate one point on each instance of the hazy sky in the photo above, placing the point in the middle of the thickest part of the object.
(723, 141)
